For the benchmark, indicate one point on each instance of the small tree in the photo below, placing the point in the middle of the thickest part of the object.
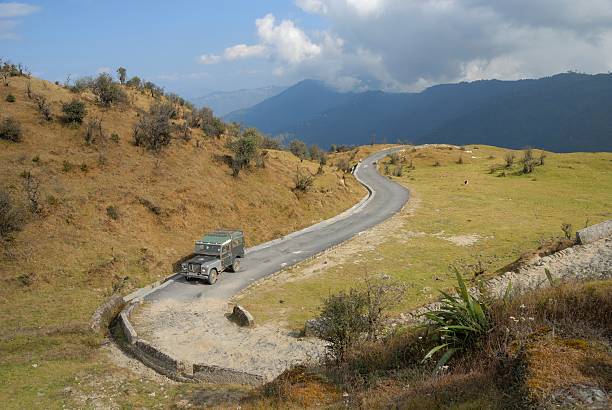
(74, 112)
(93, 131)
(82, 84)
(10, 130)
(122, 72)
(211, 125)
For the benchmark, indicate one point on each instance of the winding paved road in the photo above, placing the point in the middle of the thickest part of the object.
(387, 198)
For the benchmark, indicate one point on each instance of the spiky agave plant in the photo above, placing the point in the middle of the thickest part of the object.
(458, 324)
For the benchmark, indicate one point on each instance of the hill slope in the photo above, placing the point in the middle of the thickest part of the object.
(115, 217)
(566, 112)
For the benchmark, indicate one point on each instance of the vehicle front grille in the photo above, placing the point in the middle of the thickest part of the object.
(194, 267)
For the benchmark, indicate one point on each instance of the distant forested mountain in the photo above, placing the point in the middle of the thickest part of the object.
(565, 112)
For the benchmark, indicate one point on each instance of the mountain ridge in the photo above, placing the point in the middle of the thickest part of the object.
(564, 112)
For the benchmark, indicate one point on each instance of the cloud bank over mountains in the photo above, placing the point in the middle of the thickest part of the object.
(410, 44)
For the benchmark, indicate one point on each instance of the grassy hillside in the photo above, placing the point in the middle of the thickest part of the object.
(114, 217)
(480, 227)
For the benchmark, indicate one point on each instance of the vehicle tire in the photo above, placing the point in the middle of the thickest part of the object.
(235, 266)
(212, 277)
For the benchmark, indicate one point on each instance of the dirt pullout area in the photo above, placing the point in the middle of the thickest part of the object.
(199, 332)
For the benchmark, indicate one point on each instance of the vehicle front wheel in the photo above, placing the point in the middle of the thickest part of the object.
(235, 266)
(212, 277)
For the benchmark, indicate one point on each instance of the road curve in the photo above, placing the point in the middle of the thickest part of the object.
(386, 199)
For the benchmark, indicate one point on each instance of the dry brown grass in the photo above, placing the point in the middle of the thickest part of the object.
(543, 342)
(74, 253)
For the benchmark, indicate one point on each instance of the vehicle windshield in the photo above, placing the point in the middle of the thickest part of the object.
(208, 249)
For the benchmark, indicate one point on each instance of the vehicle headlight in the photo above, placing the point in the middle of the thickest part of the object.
(203, 269)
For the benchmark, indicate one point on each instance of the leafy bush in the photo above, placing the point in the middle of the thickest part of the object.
(10, 130)
(10, 98)
(153, 129)
(107, 91)
(458, 324)
(114, 137)
(244, 150)
(74, 112)
(344, 165)
(11, 217)
(315, 153)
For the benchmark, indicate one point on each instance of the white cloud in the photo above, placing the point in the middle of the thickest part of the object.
(411, 44)
(12, 10)
(312, 6)
(240, 51)
(288, 42)
(209, 59)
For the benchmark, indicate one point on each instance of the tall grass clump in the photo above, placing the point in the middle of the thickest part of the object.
(459, 323)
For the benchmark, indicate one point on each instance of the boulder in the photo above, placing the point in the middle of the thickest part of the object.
(241, 317)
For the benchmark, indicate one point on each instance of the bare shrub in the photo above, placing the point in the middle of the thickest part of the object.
(347, 318)
(10, 130)
(541, 159)
(43, 107)
(528, 162)
(344, 165)
(460, 160)
(93, 131)
(152, 207)
(31, 188)
(509, 158)
(11, 216)
(398, 171)
(303, 181)
(274, 143)
(153, 129)
(82, 84)
(394, 158)
(567, 230)
(299, 149)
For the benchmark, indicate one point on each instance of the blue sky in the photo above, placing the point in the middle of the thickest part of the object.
(190, 47)
(159, 40)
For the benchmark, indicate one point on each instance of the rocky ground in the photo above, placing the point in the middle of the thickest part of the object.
(201, 333)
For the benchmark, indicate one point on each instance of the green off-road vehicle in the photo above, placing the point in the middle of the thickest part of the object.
(216, 252)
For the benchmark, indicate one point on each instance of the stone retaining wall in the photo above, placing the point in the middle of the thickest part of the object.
(216, 374)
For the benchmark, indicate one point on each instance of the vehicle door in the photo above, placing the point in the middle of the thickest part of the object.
(226, 256)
